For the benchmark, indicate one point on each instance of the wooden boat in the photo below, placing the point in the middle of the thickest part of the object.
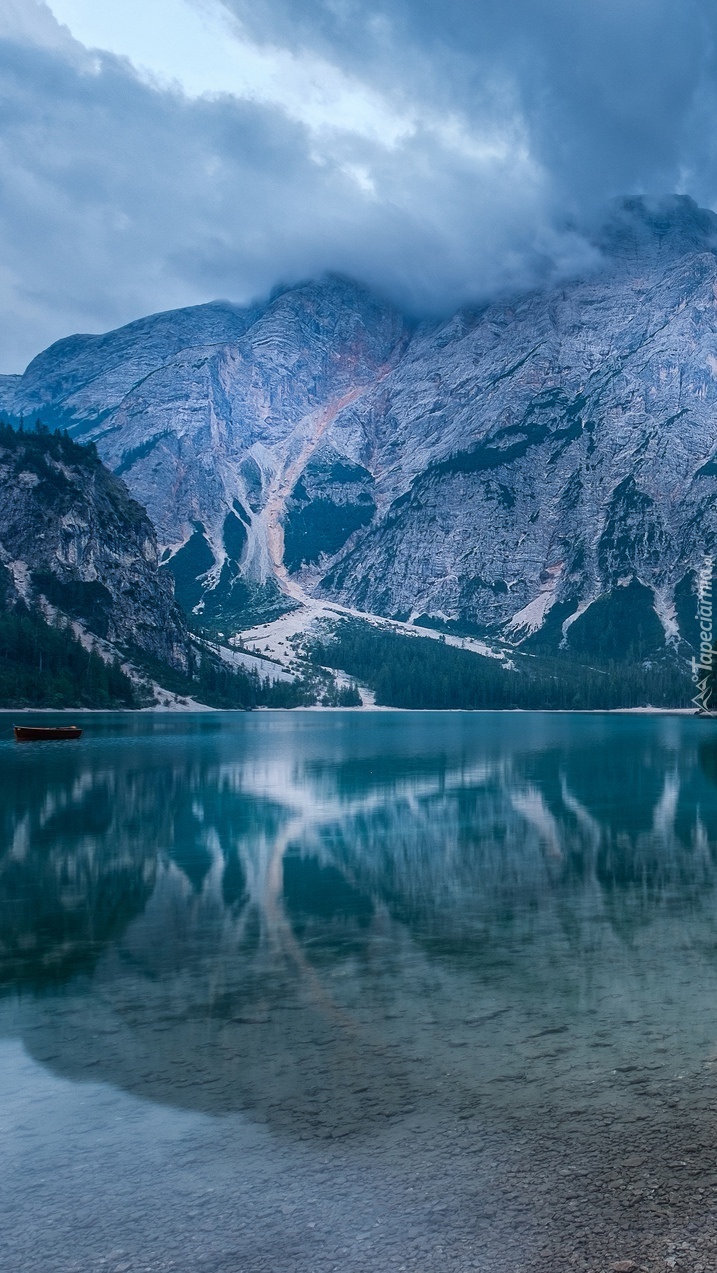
(45, 733)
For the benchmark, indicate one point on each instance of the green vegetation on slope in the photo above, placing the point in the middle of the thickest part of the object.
(45, 666)
(34, 447)
(188, 566)
(232, 601)
(322, 526)
(418, 672)
(220, 685)
(328, 503)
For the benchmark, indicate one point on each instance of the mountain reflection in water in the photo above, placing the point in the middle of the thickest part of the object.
(249, 917)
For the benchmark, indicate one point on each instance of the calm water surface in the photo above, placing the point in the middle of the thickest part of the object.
(318, 991)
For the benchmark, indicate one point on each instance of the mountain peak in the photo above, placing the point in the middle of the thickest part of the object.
(500, 472)
(639, 225)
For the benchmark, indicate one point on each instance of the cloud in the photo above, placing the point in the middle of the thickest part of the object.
(209, 53)
(33, 22)
(437, 149)
(606, 92)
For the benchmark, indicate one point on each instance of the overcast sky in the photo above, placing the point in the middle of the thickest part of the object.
(156, 153)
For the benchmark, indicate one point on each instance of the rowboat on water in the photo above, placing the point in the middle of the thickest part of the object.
(45, 733)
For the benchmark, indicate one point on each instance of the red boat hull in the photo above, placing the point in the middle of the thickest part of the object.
(45, 734)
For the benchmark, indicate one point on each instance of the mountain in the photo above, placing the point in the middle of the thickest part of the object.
(74, 542)
(542, 469)
(87, 618)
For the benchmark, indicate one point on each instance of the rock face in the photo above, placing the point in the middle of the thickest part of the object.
(72, 539)
(568, 443)
(504, 470)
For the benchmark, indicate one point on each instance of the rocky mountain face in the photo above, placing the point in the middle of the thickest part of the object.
(73, 541)
(543, 469)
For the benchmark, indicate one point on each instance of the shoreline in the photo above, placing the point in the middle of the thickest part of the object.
(195, 709)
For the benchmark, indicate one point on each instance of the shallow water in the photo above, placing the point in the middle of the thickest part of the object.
(313, 991)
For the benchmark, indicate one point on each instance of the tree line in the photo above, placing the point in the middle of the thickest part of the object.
(419, 672)
(44, 665)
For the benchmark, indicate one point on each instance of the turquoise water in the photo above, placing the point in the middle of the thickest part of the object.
(307, 991)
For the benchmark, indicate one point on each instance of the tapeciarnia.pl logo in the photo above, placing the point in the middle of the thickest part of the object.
(702, 669)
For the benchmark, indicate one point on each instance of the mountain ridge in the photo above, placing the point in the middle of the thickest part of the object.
(497, 471)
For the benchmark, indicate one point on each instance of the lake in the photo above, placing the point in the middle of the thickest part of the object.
(351, 991)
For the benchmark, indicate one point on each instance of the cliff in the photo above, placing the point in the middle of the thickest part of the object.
(541, 469)
(73, 540)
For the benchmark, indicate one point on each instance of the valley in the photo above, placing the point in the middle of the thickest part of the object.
(525, 480)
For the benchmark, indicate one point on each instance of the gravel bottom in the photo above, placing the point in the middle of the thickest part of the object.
(94, 1179)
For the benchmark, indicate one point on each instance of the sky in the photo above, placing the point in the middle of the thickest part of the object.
(159, 153)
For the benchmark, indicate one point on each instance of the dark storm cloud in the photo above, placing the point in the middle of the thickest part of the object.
(119, 197)
(612, 94)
